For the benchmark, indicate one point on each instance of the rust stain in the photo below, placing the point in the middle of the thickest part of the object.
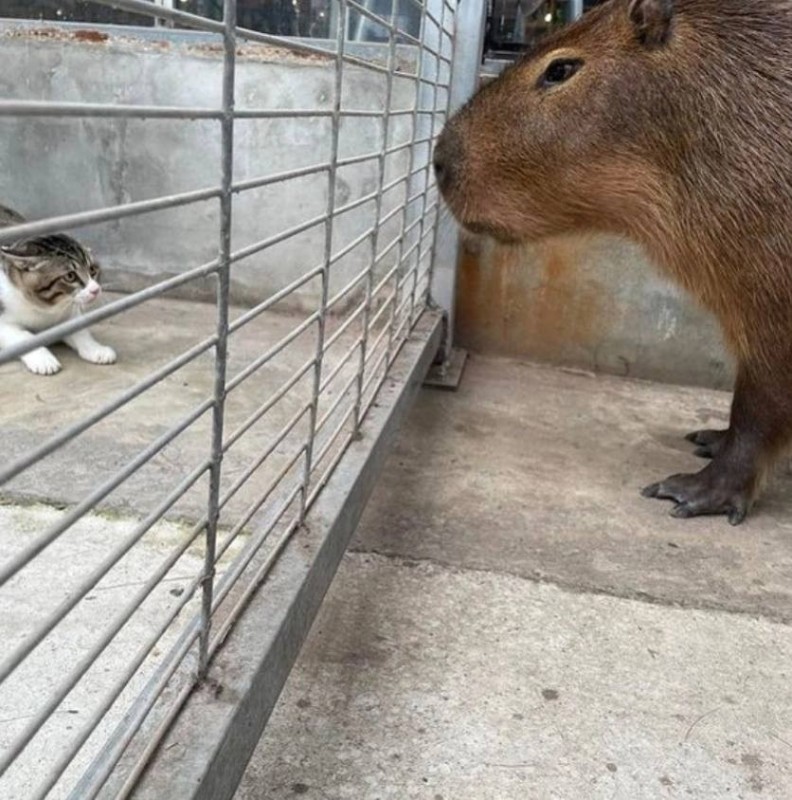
(90, 36)
(531, 301)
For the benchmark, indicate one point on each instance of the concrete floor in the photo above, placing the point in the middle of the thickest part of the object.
(515, 622)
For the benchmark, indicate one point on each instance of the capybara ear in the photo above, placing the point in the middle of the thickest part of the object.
(651, 20)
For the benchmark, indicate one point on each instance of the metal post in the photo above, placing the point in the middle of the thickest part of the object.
(575, 9)
(468, 48)
(341, 24)
(386, 118)
(221, 347)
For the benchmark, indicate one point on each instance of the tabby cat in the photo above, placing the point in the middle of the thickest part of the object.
(45, 280)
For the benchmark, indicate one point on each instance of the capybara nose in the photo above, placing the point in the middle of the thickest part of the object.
(446, 158)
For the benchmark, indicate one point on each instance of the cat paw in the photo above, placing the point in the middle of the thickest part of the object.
(99, 354)
(41, 362)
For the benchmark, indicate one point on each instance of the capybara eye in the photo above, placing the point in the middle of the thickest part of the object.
(560, 70)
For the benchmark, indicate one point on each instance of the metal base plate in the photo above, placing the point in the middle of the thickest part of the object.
(448, 375)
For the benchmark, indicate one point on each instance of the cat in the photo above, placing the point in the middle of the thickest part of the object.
(46, 280)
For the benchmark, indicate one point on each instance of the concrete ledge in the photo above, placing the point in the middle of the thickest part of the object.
(209, 745)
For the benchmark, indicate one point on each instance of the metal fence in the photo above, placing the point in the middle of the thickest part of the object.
(308, 384)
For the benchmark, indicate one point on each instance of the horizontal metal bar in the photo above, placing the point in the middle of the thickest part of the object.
(21, 464)
(279, 177)
(406, 145)
(176, 705)
(342, 362)
(148, 9)
(260, 649)
(46, 108)
(339, 332)
(95, 777)
(328, 444)
(88, 659)
(300, 47)
(271, 352)
(57, 224)
(337, 400)
(348, 287)
(366, 198)
(380, 311)
(389, 25)
(322, 481)
(387, 277)
(348, 248)
(22, 558)
(350, 160)
(277, 238)
(390, 215)
(251, 511)
(270, 403)
(265, 454)
(21, 651)
(261, 573)
(272, 300)
(57, 332)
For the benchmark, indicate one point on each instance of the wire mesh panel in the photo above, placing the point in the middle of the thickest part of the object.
(144, 509)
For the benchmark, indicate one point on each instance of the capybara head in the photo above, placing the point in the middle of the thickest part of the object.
(581, 133)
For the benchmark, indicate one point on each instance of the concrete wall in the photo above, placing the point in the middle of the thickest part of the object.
(52, 166)
(593, 303)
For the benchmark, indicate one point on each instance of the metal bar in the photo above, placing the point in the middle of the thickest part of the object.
(270, 449)
(270, 403)
(351, 284)
(66, 435)
(28, 553)
(148, 9)
(276, 621)
(48, 108)
(24, 648)
(333, 407)
(301, 47)
(330, 377)
(157, 735)
(341, 23)
(369, 275)
(269, 354)
(58, 332)
(339, 332)
(221, 348)
(277, 238)
(87, 661)
(14, 233)
(272, 300)
(290, 174)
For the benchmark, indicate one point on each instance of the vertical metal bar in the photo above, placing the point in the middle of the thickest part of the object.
(575, 9)
(341, 23)
(428, 174)
(447, 110)
(375, 235)
(419, 86)
(468, 46)
(221, 348)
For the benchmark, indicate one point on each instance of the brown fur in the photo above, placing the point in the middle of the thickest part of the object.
(676, 132)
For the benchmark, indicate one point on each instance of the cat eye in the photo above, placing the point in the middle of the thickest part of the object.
(559, 71)
(93, 270)
(71, 277)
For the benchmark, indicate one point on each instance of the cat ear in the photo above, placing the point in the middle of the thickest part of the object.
(18, 260)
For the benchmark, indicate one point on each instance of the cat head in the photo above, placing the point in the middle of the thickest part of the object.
(52, 271)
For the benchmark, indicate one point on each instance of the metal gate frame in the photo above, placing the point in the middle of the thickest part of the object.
(206, 749)
(201, 742)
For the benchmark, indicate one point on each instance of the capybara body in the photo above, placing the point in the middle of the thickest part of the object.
(669, 123)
